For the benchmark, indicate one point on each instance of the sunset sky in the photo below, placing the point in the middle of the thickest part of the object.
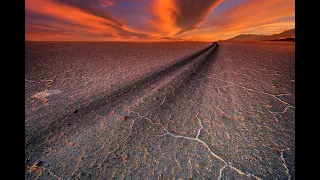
(154, 20)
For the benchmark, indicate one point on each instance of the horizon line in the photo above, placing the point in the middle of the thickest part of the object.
(117, 41)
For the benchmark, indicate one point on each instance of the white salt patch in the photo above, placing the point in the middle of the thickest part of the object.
(46, 93)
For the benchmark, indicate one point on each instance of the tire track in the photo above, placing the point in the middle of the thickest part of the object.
(185, 70)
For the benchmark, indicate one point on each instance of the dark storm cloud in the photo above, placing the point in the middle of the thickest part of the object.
(191, 13)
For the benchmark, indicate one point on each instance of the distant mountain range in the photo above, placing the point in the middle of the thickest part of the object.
(289, 34)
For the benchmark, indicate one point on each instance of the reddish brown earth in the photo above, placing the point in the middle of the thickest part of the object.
(160, 110)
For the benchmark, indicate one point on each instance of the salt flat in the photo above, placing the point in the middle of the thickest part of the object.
(160, 110)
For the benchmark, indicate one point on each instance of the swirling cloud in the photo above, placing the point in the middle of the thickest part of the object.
(154, 20)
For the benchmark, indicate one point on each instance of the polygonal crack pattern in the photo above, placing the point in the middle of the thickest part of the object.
(224, 112)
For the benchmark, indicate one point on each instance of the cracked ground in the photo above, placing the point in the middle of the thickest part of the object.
(221, 110)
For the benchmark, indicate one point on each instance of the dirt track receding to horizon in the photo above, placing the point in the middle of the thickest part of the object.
(224, 111)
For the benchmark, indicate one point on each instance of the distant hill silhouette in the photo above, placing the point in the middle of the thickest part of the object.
(246, 37)
(260, 37)
(285, 39)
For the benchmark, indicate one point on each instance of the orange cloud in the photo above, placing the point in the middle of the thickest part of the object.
(157, 20)
(164, 10)
(175, 17)
(92, 23)
(70, 14)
